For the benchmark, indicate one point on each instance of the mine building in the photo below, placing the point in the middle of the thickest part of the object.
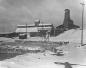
(36, 29)
(67, 23)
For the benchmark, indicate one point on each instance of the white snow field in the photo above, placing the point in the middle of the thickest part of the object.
(72, 36)
(72, 54)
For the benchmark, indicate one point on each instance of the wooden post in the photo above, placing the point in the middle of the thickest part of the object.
(82, 23)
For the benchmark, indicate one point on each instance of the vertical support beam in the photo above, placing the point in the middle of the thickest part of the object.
(26, 31)
(82, 23)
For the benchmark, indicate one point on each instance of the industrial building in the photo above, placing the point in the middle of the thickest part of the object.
(37, 29)
(41, 29)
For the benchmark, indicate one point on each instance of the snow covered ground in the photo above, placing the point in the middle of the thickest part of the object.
(72, 36)
(72, 54)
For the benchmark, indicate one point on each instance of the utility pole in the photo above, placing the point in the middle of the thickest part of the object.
(83, 5)
(26, 31)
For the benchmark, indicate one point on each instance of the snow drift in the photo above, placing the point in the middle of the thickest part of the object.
(73, 35)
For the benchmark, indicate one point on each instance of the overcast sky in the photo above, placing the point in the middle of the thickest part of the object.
(13, 12)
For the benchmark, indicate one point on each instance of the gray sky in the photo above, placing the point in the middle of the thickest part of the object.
(13, 12)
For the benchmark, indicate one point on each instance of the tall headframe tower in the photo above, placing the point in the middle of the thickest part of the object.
(67, 23)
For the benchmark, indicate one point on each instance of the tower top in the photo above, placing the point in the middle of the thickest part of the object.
(67, 11)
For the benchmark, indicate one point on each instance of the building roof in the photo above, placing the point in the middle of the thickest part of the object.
(33, 25)
(44, 24)
(44, 28)
(34, 29)
(22, 26)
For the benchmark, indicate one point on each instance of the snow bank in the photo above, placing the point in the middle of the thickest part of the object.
(72, 36)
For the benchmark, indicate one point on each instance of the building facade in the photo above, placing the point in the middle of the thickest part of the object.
(34, 30)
